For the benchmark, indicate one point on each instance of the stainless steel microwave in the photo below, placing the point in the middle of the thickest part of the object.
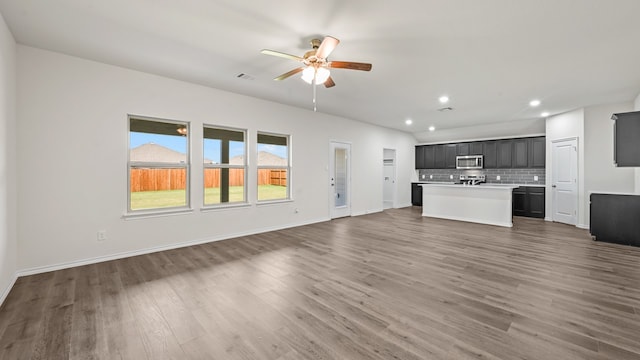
(469, 162)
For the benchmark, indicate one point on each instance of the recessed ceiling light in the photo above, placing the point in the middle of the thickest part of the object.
(544, 114)
(408, 121)
(534, 103)
(432, 128)
(443, 99)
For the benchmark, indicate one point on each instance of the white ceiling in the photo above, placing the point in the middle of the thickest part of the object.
(491, 57)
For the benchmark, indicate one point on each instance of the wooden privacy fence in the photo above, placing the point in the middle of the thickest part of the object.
(175, 179)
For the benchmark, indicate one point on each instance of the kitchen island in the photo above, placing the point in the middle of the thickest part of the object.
(485, 203)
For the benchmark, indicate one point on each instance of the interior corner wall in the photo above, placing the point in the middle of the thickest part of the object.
(600, 172)
(8, 245)
(559, 127)
(72, 160)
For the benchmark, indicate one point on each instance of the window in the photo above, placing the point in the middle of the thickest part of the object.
(225, 166)
(158, 164)
(273, 167)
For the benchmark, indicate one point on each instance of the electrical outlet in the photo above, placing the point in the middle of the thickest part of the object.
(102, 235)
(450, 177)
(430, 177)
(423, 176)
(498, 177)
(535, 177)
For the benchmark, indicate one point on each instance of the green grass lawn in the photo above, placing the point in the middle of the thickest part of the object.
(176, 198)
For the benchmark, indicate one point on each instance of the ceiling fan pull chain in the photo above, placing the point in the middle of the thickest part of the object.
(313, 85)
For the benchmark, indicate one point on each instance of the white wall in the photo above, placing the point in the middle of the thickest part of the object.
(72, 153)
(7, 160)
(600, 173)
(559, 127)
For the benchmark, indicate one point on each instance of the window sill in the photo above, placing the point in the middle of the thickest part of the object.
(273, 202)
(224, 207)
(153, 214)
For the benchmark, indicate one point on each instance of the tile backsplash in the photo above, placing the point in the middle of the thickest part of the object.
(507, 176)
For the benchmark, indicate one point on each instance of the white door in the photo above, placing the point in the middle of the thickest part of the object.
(389, 178)
(340, 180)
(564, 181)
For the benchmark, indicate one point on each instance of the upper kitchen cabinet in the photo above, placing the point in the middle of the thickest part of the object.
(475, 148)
(439, 157)
(463, 149)
(504, 152)
(490, 152)
(420, 157)
(626, 147)
(537, 152)
(520, 156)
(429, 154)
(450, 153)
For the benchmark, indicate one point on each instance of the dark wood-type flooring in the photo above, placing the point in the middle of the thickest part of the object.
(390, 285)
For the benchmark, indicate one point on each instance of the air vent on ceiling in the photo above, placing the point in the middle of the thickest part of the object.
(245, 76)
(448, 108)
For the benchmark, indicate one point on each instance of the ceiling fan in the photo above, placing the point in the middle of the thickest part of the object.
(315, 69)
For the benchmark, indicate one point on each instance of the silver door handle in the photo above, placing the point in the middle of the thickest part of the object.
(553, 186)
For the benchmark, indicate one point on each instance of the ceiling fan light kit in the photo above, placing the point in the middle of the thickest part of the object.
(315, 68)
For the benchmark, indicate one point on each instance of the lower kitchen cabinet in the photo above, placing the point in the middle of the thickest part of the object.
(528, 201)
(614, 218)
(416, 194)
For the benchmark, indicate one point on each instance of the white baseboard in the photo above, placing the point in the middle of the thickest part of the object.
(582, 226)
(5, 292)
(126, 254)
(400, 206)
(548, 219)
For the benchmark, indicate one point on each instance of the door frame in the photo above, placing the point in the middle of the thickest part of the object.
(577, 182)
(394, 190)
(333, 213)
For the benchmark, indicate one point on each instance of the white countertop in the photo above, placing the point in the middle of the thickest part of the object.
(480, 186)
(483, 184)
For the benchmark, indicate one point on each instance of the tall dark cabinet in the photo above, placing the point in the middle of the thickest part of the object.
(626, 147)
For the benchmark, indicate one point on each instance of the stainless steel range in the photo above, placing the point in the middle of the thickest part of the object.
(472, 179)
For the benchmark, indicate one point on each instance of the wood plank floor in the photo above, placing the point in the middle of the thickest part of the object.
(390, 285)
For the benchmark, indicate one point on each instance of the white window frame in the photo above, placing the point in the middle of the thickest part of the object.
(244, 166)
(143, 164)
(285, 167)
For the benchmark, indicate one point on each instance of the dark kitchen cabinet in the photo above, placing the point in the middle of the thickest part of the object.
(528, 201)
(439, 159)
(626, 147)
(428, 152)
(416, 194)
(537, 152)
(450, 153)
(614, 218)
(420, 157)
(519, 201)
(520, 156)
(463, 149)
(504, 153)
(490, 154)
(475, 148)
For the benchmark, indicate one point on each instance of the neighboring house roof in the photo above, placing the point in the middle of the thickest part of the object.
(264, 158)
(151, 152)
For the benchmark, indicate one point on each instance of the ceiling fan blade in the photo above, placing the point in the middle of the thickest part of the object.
(326, 47)
(349, 65)
(289, 73)
(281, 54)
(329, 83)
